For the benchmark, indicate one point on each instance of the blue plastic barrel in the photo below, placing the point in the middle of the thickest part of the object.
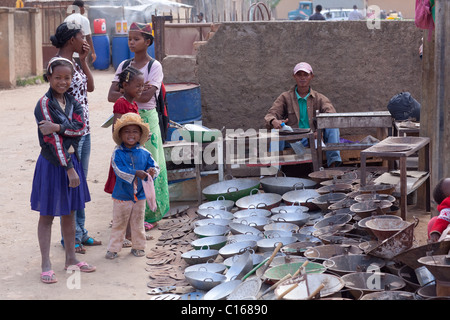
(184, 101)
(102, 50)
(120, 50)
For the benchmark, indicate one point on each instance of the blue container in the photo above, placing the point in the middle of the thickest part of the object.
(150, 51)
(120, 50)
(184, 101)
(102, 50)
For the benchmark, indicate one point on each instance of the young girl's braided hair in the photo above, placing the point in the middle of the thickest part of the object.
(127, 75)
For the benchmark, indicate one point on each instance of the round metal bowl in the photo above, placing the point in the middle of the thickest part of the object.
(214, 214)
(239, 228)
(323, 175)
(330, 250)
(232, 189)
(204, 280)
(256, 259)
(232, 249)
(281, 185)
(211, 231)
(282, 226)
(200, 256)
(215, 242)
(325, 200)
(390, 295)
(265, 245)
(374, 196)
(339, 187)
(256, 222)
(212, 222)
(277, 233)
(218, 205)
(289, 209)
(252, 213)
(366, 208)
(244, 237)
(363, 222)
(378, 188)
(208, 266)
(369, 282)
(385, 228)
(259, 201)
(279, 272)
(348, 263)
(297, 218)
(221, 291)
(338, 219)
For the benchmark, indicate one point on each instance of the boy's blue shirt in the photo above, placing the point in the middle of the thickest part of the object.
(125, 162)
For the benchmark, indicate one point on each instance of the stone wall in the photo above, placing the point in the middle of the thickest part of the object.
(245, 66)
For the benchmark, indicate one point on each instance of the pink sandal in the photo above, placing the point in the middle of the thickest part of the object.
(83, 267)
(48, 277)
(149, 226)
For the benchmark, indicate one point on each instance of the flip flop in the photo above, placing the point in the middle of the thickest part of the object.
(48, 277)
(83, 267)
(149, 226)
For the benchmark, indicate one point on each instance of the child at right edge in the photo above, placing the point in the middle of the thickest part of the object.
(438, 226)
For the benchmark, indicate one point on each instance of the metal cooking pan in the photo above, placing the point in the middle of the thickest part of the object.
(323, 175)
(232, 249)
(289, 209)
(233, 189)
(259, 201)
(252, 213)
(298, 218)
(220, 204)
(256, 222)
(302, 197)
(240, 267)
(281, 185)
(239, 228)
(214, 214)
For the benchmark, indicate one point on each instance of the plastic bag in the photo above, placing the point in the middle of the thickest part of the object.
(149, 190)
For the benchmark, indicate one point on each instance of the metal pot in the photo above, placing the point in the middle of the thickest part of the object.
(214, 242)
(204, 280)
(256, 222)
(297, 218)
(214, 213)
(366, 208)
(221, 291)
(374, 196)
(256, 259)
(277, 233)
(244, 237)
(339, 187)
(240, 267)
(385, 228)
(364, 281)
(289, 209)
(302, 197)
(330, 250)
(232, 249)
(347, 263)
(282, 226)
(239, 228)
(281, 185)
(211, 222)
(325, 200)
(339, 219)
(211, 231)
(233, 189)
(268, 245)
(200, 256)
(259, 201)
(208, 266)
(323, 175)
(252, 213)
(220, 204)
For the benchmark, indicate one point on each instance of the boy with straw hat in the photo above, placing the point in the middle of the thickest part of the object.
(132, 164)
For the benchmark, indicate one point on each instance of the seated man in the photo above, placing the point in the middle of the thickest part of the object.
(297, 107)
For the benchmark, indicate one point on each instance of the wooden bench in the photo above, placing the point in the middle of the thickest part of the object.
(382, 120)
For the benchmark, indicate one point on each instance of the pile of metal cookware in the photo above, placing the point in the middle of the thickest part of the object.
(316, 238)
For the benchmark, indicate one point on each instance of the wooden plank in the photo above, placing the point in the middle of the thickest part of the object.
(354, 120)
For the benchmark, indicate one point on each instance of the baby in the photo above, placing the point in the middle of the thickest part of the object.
(438, 226)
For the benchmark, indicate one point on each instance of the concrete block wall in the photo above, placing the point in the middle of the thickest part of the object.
(245, 66)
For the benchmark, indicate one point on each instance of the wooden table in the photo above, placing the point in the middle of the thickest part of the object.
(260, 141)
(393, 148)
(406, 128)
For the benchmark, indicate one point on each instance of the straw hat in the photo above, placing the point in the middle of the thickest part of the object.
(129, 119)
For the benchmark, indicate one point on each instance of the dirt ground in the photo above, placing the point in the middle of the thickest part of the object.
(123, 278)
